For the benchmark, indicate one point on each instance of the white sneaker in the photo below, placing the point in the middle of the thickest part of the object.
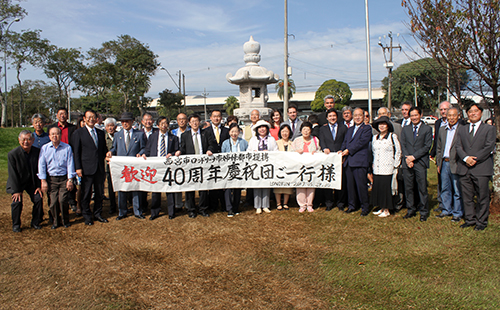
(385, 214)
(266, 210)
(258, 211)
(377, 212)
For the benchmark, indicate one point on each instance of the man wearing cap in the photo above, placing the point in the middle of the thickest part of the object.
(128, 142)
(89, 151)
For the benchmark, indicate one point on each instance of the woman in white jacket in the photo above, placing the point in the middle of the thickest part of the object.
(386, 160)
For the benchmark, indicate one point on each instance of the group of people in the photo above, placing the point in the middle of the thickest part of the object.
(390, 157)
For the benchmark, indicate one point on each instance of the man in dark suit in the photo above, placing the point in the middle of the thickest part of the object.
(294, 122)
(475, 144)
(220, 134)
(416, 140)
(161, 144)
(197, 141)
(128, 142)
(405, 110)
(89, 148)
(331, 137)
(355, 150)
(148, 130)
(67, 130)
(329, 103)
(23, 169)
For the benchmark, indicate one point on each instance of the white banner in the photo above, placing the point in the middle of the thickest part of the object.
(226, 170)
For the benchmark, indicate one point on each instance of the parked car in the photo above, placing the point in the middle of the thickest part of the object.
(429, 120)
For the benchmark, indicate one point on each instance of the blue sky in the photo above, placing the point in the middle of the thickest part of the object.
(205, 39)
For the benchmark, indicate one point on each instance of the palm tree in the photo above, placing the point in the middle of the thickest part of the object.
(280, 87)
(231, 104)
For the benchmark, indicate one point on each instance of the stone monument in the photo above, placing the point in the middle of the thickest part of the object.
(253, 80)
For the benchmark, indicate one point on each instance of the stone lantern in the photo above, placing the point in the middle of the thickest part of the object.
(253, 80)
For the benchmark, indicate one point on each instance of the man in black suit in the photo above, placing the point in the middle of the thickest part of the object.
(475, 144)
(416, 140)
(329, 103)
(23, 169)
(67, 130)
(331, 137)
(89, 147)
(196, 141)
(220, 134)
(148, 130)
(161, 144)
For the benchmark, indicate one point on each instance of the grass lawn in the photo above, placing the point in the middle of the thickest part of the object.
(282, 260)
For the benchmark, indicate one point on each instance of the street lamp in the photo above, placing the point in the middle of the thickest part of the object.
(4, 104)
(161, 68)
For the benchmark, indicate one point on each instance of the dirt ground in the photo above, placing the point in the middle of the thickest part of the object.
(252, 261)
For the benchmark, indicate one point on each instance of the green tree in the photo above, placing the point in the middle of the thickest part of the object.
(170, 103)
(130, 64)
(280, 87)
(339, 90)
(231, 103)
(8, 13)
(463, 34)
(26, 48)
(431, 81)
(63, 65)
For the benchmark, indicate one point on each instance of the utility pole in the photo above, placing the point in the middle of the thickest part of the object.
(285, 78)
(180, 81)
(389, 65)
(415, 87)
(368, 62)
(205, 101)
(184, 91)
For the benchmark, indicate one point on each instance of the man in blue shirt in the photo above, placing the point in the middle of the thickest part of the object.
(56, 171)
(41, 137)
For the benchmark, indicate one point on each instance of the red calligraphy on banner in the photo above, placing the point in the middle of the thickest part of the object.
(129, 174)
(148, 173)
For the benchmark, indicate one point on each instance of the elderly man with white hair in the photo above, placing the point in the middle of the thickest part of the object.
(110, 126)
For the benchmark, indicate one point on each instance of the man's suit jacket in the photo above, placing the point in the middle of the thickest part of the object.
(419, 147)
(326, 138)
(481, 146)
(22, 174)
(223, 134)
(137, 143)
(440, 146)
(437, 126)
(146, 136)
(207, 142)
(297, 132)
(87, 156)
(172, 143)
(71, 130)
(358, 146)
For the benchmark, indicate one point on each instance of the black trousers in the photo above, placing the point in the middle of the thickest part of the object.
(36, 213)
(416, 176)
(97, 182)
(475, 214)
(111, 194)
(202, 204)
(156, 204)
(323, 196)
(216, 197)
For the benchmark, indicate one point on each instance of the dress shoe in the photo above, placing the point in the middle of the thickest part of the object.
(364, 213)
(329, 208)
(349, 210)
(205, 214)
(89, 223)
(171, 217)
(465, 225)
(121, 217)
(36, 226)
(455, 219)
(442, 215)
(16, 229)
(67, 225)
(423, 218)
(479, 227)
(54, 227)
(152, 217)
(409, 215)
(192, 214)
(140, 216)
(102, 220)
